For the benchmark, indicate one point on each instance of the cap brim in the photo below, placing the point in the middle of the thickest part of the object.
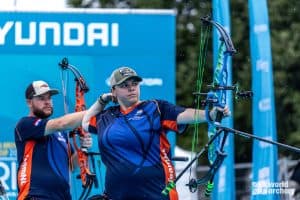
(51, 91)
(137, 78)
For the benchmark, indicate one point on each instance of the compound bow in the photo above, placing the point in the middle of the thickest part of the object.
(216, 97)
(86, 176)
(217, 134)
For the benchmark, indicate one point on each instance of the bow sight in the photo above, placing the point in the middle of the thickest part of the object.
(212, 99)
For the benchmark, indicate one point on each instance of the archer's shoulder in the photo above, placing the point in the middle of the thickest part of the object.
(27, 119)
(162, 102)
(30, 122)
(111, 109)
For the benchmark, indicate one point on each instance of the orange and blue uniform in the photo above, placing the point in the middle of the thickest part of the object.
(135, 149)
(43, 161)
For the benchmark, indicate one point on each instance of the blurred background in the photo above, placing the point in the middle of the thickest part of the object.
(284, 26)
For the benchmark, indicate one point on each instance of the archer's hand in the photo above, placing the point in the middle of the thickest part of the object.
(225, 112)
(95, 109)
(86, 141)
(109, 97)
(106, 98)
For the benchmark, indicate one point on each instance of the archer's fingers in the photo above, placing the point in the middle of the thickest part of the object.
(107, 97)
(86, 141)
(226, 111)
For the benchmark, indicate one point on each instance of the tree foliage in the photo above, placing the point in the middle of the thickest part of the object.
(285, 27)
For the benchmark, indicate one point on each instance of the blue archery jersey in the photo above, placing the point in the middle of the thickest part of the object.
(135, 149)
(43, 161)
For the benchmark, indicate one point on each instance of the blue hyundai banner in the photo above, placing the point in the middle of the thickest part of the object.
(96, 42)
(225, 178)
(264, 182)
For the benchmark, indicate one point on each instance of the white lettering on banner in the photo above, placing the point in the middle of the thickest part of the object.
(74, 33)
(13, 175)
(4, 30)
(45, 28)
(9, 175)
(79, 40)
(264, 174)
(264, 105)
(152, 81)
(103, 36)
(115, 34)
(272, 188)
(18, 34)
(259, 28)
(262, 65)
(5, 175)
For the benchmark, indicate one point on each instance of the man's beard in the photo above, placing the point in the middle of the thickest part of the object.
(41, 114)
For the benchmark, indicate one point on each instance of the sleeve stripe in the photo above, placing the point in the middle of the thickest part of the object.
(170, 124)
(24, 173)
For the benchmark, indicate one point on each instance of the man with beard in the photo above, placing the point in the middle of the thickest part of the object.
(44, 152)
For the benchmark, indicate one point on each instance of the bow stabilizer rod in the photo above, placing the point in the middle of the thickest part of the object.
(247, 135)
